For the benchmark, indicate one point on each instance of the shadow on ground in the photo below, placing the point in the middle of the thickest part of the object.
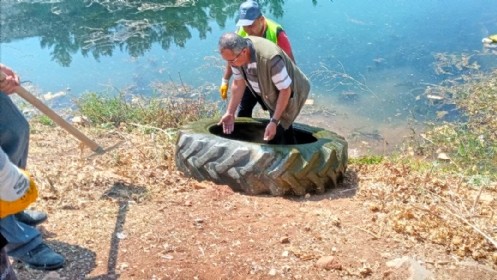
(79, 263)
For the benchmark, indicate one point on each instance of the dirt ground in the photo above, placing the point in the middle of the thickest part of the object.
(128, 214)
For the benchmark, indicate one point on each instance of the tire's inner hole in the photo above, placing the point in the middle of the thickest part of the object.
(254, 132)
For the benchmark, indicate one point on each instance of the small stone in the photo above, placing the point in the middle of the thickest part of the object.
(374, 207)
(80, 120)
(386, 255)
(336, 221)
(328, 263)
(398, 262)
(285, 240)
(365, 271)
(124, 266)
(200, 186)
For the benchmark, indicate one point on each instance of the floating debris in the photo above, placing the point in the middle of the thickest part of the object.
(441, 114)
(349, 93)
(379, 60)
(49, 95)
(434, 97)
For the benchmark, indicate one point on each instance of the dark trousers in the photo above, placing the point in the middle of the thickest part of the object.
(249, 100)
(248, 103)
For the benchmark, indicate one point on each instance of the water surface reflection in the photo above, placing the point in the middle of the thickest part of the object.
(372, 65)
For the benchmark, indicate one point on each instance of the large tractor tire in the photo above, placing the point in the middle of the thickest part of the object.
(243, 161)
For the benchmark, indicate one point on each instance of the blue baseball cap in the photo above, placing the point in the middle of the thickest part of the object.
(249, 11)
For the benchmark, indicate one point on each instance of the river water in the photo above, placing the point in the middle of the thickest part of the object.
(370, 62)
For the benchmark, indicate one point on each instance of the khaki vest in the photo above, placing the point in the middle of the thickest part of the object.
(265, 50)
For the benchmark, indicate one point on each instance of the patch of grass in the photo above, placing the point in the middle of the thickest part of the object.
(149, 113)
(44, 120)
(414, 163)
(102, 110)
(369, 160)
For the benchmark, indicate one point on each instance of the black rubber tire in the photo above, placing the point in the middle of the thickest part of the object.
(245, 163)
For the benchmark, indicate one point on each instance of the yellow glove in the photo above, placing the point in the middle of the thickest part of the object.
(493, 38)
(21, 203)
(223, 89)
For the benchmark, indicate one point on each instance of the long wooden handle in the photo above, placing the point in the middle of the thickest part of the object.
(22, 92)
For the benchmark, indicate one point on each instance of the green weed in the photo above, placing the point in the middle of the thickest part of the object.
(370, 159)
(467, 147)
(44, 120)
(147, 113)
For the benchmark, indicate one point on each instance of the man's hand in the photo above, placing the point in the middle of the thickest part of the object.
(228, 122)
(270, 131)
(223, 89)
(9, 81)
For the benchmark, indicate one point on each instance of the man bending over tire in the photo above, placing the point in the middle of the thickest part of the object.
(270, 75)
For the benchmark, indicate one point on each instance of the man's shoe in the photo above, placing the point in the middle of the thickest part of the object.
(32, 218)
(42, 257)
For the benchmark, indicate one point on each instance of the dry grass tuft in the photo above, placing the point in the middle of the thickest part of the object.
(433, 206)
